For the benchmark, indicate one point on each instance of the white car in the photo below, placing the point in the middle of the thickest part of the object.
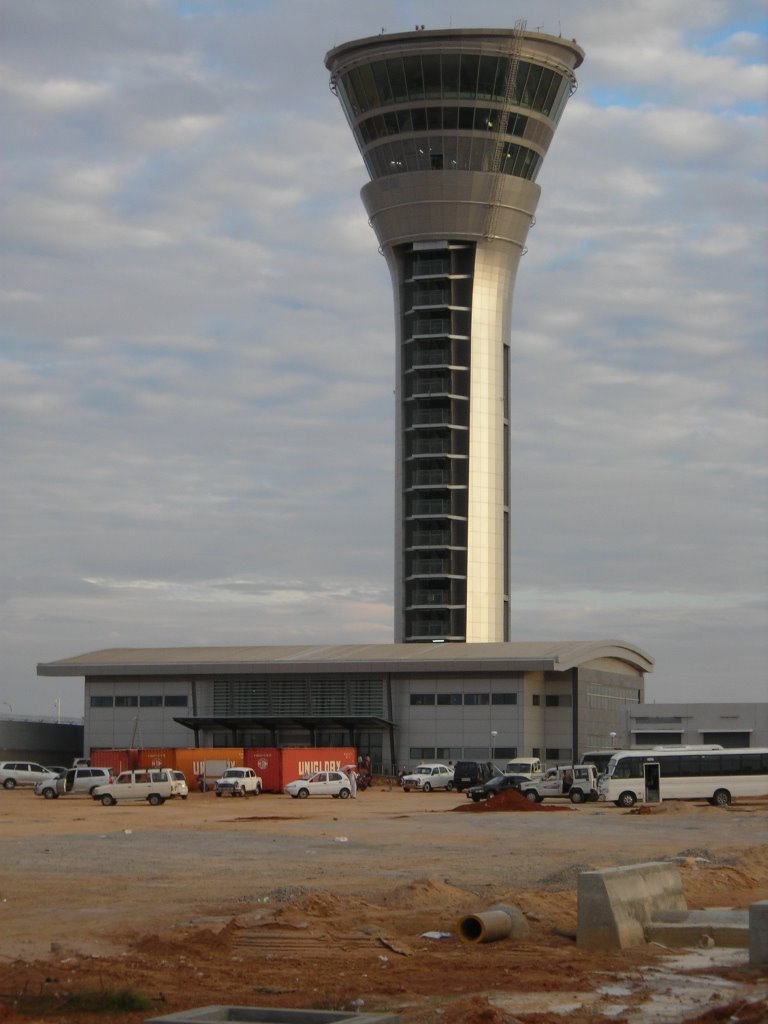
(238, 782)
(427, 777)
(23, 773)
(179, 784)
(335, 784)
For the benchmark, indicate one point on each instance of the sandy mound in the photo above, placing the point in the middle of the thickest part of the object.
(509, 800)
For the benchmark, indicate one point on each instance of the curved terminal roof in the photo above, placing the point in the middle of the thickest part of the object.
(542, 656)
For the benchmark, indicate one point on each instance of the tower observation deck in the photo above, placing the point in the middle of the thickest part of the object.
(453, 126)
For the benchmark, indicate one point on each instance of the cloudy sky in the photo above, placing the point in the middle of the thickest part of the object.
(197, 338)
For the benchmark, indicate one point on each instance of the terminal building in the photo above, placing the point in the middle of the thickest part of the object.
(401, 703)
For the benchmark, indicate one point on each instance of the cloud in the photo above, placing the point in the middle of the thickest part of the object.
(197, 339)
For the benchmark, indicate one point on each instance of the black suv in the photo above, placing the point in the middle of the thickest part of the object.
(472, 773)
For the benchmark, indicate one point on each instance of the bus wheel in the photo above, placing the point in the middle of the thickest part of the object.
(626, 799)
(721, 798)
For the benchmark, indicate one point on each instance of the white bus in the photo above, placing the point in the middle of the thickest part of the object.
(600, 758)
(684, 774)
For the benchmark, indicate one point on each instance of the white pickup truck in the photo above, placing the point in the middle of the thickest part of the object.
(576, 782)
(154, 785)
(238, 782)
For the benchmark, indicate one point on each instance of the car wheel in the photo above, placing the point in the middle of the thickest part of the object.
(154, 799)
(576, 796)
(218, 792)
(50, 794)
(449, 787)
(475, 799)
(721, 798)
(183, 798)
(532, 795)
(427, 787)
(406, 789)
(9, 783)
(343, 794)
(303, 794)
(626, 799)
(108, 800)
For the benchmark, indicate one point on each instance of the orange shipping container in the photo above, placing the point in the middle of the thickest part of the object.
(298, 761)
(192, 760)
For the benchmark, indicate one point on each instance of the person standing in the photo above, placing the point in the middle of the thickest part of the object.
(352, 776)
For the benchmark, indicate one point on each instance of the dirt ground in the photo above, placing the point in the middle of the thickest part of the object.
(130, 912)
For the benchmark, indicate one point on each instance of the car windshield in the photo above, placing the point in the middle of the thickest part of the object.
(423, 769)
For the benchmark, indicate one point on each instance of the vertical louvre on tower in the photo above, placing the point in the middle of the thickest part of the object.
(453, 126)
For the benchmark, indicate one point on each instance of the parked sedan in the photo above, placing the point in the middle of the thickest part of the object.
(498, 784)
(22, 773)
(335, 784)
(427, 777)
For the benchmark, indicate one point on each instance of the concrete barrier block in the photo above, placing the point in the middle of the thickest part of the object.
(758, 933)
(614, 905)
(271, 1015)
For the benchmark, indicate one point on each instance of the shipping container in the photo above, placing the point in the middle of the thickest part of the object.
(296, 762)
(157, 757)
(265, 761)
(117, 760)
(192, 761)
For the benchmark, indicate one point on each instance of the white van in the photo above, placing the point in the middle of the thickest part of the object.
(529, 766)
(151, 784)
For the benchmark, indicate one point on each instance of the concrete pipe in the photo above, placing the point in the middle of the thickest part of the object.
(486, 927)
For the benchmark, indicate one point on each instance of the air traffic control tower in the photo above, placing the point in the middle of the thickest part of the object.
(453, 126)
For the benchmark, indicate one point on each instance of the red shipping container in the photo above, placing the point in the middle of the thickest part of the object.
(265, 761)
(157, 757)
(298, 761)
(117, 760)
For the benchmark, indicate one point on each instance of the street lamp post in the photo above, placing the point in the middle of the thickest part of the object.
(613, 740)
(494, 734)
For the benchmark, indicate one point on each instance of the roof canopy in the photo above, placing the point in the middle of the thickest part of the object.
(533, 656)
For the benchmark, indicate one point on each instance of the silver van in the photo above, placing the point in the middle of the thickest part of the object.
(76, 780)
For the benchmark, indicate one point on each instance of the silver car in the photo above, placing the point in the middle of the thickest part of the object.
(75, 780)
(23, 773)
